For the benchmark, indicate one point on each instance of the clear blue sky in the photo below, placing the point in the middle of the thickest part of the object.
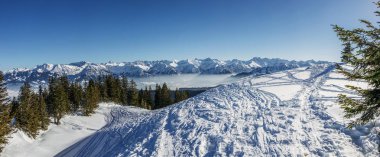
(62, 31)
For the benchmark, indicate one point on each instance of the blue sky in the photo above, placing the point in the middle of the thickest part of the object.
(64, 31)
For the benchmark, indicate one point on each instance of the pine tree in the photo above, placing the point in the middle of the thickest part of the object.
(184, 95)
(58, 99)
(124, 91)
(362, 51)
(26, 117)
(157, 97)
(133, 94)
(147, 97)
(5, 118)
(110, 88)
(117, 90)
(34, 117)
(102, 86)
(76, 93)
(165, 96)
(141, 101)
(91, 99)
(49, 96)
(177, 96)
(43, 116)
(65, 83)
(25, 99)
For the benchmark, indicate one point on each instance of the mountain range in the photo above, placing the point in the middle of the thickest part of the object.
(85, 70)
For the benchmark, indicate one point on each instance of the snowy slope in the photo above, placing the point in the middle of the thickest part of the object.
(282, 114)
(85, 70)
(56, 138)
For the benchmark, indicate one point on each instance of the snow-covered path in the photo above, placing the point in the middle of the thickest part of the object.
(281, 114)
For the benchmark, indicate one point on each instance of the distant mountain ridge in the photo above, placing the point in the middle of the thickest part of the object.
(85, 70)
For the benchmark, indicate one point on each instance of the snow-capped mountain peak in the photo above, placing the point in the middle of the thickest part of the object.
(83, 69)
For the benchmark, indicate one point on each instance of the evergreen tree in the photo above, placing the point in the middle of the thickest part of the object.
(177, 96)
(26, 117)
(124, 91)
(157, 97)
(102, 86)
(110, 88)
(362, 51)
(43, 116)
(25, 99)
(76, 93)
(91, 98)
(165, 96)
(147, 97)
(59, 100)
(117, 90)
(5, 118)
(65, 83)
(184, 95)
(133, 98)
(141, 101)
(34, 116)
(49, 97)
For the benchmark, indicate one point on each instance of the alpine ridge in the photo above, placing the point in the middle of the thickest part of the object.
(86, 70)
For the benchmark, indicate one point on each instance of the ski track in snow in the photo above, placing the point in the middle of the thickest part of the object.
(237, 119)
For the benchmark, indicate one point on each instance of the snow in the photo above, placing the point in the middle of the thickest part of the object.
(56, 138)
(250, 117)
(238, 119)
(336, 75)
(173, 64)
(303, 75)
(82, 70)
(143, 67)
(343, 83)
(284, 92)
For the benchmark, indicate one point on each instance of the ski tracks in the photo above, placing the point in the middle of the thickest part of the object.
(229, 120)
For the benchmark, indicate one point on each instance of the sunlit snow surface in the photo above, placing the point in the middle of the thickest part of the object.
(290, 113)
(56, 138)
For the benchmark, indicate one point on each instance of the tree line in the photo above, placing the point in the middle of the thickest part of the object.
(32, 111)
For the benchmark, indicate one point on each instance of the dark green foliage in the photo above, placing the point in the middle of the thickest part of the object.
(76, 94)
(124, 91)
(158, 97)
(27, 114)
(132, 94)
(5, 118)
(65, 83)
(43, 116)
(180, 95)
(162, 97)
(113, 88)
(92, 99)
(58, 99)
(102, 86)
(165, 96)
(147, 97)
(362, 51)
(34, 120)
(141, 101)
